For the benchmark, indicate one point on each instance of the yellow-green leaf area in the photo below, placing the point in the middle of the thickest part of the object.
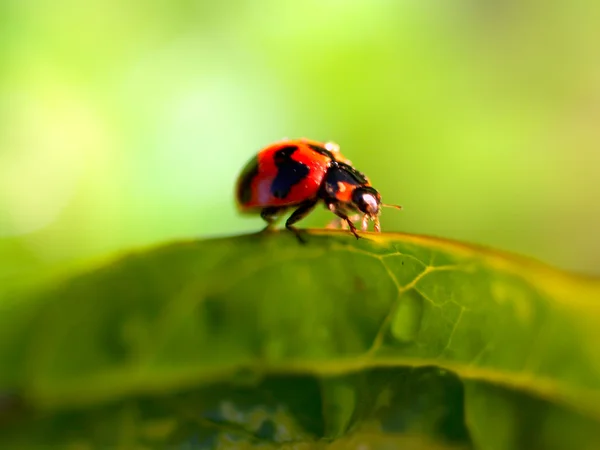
(261, 340)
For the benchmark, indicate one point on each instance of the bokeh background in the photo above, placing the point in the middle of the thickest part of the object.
(124, 124)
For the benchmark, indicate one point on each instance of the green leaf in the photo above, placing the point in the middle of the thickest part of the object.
(393, 340)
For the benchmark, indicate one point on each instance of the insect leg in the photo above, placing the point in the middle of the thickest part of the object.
(365, 222)
(338, 222)
(303, 210)
(334, 208)
(271, 215)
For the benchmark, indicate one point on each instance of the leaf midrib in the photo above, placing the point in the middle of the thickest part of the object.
(123, 383)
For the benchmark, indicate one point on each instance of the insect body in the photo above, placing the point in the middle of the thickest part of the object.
(299, 173)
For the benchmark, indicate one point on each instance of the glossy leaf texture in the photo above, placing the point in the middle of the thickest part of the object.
(257, 341)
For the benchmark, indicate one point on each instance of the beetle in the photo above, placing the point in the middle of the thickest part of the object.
(299, 173)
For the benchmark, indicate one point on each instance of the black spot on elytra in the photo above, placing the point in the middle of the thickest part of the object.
(321, 150)
(289, 172)
(244, 189)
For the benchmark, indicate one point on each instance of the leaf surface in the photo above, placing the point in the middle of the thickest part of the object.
(392, 340)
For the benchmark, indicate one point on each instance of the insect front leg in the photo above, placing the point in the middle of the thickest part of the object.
(338, 222)
(340, 212)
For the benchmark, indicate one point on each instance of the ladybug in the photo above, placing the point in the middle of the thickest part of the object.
(298, 173)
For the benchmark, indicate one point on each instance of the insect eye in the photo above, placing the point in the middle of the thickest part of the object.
(371, 204)
(367, 200)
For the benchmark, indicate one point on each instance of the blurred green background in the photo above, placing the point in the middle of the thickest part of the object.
(126, 123)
